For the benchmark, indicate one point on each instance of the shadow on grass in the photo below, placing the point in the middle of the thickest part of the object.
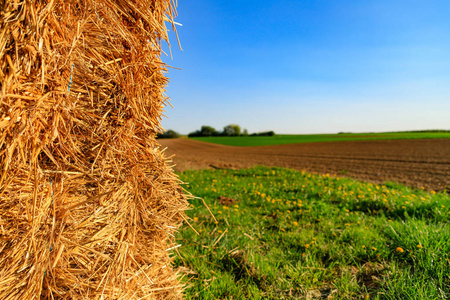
(236, 264)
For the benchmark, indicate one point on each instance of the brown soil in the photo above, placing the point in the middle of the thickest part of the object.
(226, 201)
(416, 163)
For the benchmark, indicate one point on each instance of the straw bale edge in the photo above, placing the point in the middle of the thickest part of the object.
(88, 202)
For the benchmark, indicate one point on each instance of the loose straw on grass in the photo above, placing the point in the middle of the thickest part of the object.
(207, 207)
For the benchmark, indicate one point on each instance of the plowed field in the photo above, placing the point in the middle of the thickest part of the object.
(416, 163)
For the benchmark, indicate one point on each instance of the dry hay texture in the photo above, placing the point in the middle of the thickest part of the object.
(88, 201)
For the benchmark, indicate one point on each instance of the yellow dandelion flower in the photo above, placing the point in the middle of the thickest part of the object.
(419, 246)
(295, 224)
(399, 250)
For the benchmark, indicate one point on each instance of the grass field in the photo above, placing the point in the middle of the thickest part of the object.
(284, 234)
(311, 138)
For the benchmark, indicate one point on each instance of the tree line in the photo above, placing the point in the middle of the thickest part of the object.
(208, 131)
(229, 130)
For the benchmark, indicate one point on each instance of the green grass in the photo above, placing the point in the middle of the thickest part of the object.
(312, 138)
(293, 235)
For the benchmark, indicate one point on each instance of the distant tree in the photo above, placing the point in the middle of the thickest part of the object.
(245, 133)
(169, 134)
(204, 131)
(232, 130)
(196, 133)
(208, 131)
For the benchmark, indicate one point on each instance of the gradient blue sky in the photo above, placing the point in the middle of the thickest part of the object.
(308, 66)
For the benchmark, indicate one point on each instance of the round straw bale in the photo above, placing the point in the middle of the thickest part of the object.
(88, 201)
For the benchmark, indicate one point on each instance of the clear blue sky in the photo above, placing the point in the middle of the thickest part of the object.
(309, 66)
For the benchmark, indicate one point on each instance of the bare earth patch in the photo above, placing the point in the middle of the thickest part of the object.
(416, 163)
(226, 201)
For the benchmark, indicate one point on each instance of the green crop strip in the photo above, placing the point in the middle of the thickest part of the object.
(314, 138)
(283, 234)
